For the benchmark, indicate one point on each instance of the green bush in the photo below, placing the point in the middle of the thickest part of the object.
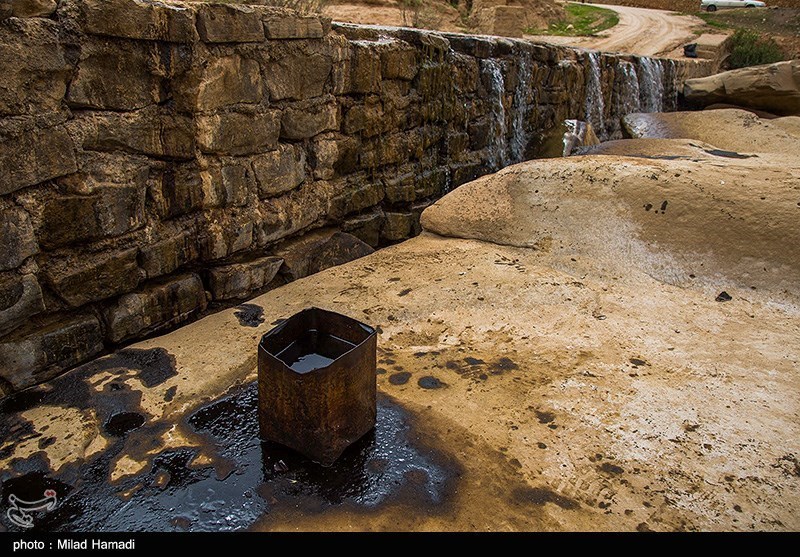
(748, 48)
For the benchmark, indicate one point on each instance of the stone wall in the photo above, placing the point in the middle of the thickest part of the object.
(158, 158)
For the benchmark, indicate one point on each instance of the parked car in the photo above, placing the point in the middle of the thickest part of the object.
(712, 5)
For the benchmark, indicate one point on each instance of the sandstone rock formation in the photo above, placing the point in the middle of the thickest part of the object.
(774, 88)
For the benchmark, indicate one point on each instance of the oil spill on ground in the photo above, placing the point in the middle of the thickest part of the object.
(384, 466)
(121, 423)
(249, 315)
(151, 367)
(539, 496)
(400, 378)
(544, 417)
(478, 369)
(430, 382)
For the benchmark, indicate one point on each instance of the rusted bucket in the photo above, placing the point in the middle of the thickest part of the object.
(316, 383)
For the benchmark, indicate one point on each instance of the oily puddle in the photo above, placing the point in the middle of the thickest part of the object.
(245, 480)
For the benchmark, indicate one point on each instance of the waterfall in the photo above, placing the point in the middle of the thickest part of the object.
(519, 136)
(651, 85)
(499, 148)
(594, 94)
(628, 100)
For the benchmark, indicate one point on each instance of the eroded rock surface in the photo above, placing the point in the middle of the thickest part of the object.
(772, 87)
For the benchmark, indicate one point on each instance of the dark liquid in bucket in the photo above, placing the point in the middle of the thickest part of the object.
(313, 350)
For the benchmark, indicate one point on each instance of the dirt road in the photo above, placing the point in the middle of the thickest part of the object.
(639, 31)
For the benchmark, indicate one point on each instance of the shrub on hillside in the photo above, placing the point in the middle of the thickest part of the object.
(748, 48)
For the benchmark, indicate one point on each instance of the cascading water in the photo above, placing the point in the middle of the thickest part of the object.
(628, 99)
(595, 106)
(499, 148)
(519, 136)
(651, 85)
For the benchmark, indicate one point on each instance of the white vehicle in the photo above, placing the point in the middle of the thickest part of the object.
(712, 5)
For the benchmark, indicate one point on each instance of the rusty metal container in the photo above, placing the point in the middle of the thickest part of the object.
(317, 384)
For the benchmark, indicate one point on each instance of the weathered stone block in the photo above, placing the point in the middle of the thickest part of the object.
(399, 63)
(222, 238)
(226, 23)
(354, 197)
(309, 118)
(480, 133)
(150, 131)
(297, 210)
(111, 211)
(400, 189)
(30, 155)
(35, 72)
(239, 133)
(367, 119)
(280, 171)
(178, 191)
(334, 155)
(463, 173)
(291, 26)
(78, 280)
(240, 280)
(229, 80)
(366, 228)
(395, 148)
(397, 226)
(33, 8)
(319, 250)
(226, 185)
(156, 307)
(17, 241)
(432, 183)
(365, 68)
(458, 145)
(168, 255)
(140, 19)
(39, 352)
(116, 75)
(20, 299)
(298, 76)
(339, 47)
